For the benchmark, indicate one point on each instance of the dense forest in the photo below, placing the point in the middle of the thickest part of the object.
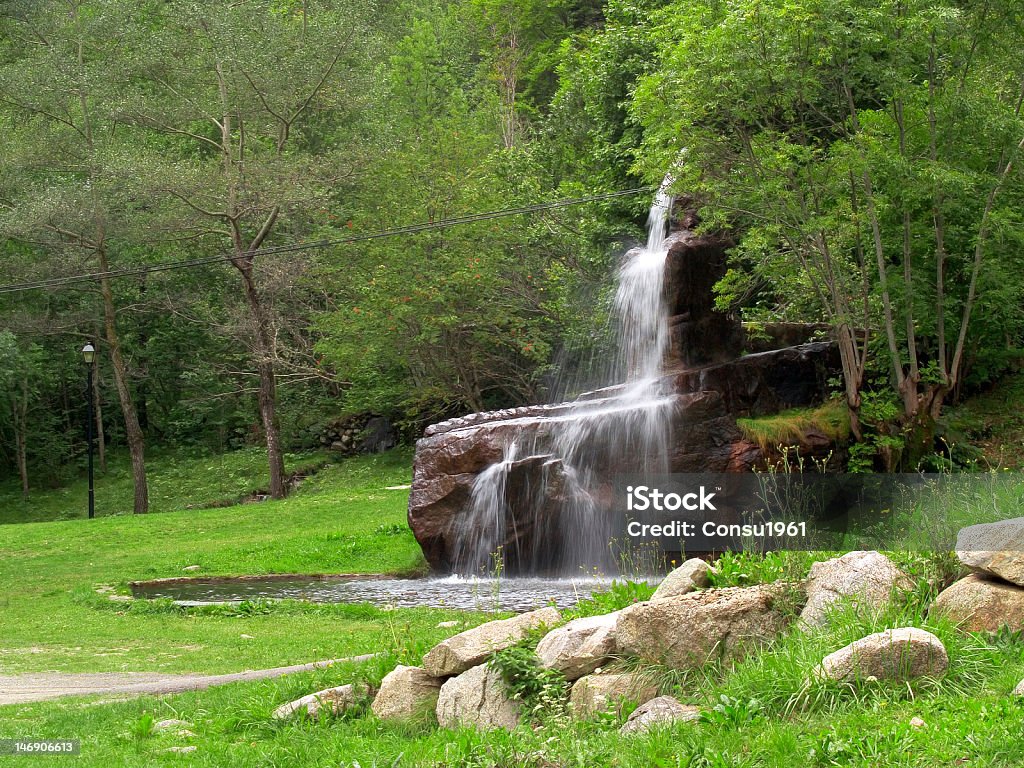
(865, 156)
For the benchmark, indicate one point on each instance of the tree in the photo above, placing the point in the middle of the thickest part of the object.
(253, 100)
(62, 186)
(843, 139)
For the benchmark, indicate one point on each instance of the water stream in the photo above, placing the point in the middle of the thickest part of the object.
(485, 594)
(573, 456)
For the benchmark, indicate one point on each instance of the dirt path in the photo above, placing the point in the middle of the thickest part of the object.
(21, 689)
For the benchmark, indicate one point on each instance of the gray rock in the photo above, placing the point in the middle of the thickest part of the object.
(406, 693)
(597, 693)
(868, 578)
(690, 630)
(467, 649)
(895, 654)
(192, 568)
(336, 700)
(180, 750)
(479, 698)
(663, 710)
(692, 574)
(981, 604)
(579, 647)
(170, 725)
(994, 548)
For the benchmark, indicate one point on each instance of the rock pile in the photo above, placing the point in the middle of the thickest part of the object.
(334, 700)
(690, 630)
(993, 595)
(866, 579)
(895, 654)
(362, 433)
(683, 627)
(663, 710)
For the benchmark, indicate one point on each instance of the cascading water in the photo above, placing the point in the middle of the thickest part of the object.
(556, 476)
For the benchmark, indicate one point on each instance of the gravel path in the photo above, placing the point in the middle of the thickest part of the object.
(20, 689)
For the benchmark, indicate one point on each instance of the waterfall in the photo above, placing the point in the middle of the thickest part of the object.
(571, 462)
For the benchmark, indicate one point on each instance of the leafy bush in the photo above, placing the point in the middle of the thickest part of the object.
(543, 692)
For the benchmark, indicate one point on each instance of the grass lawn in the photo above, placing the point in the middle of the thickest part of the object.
(177, 481)
(759, 713)
(762, 712)
(340, 521)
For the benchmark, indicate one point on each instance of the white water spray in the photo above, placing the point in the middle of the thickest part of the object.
(578, 451)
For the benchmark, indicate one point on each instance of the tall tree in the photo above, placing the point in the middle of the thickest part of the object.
(841, 138)
(61, 189)
(255, 100)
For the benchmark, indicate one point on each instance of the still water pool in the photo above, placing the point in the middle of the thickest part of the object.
(505, 594)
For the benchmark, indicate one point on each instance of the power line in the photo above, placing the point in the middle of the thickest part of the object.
(56, 282)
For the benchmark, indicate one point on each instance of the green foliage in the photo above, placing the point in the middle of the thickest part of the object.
(858, 150)
(620, 594)
(744, 569)
(791, 427)
(544, 692)
(731, 712)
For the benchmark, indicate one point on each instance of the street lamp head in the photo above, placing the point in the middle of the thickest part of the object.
(89, 354)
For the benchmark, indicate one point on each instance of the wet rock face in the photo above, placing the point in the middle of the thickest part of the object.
(709, 385)
(703, 438)
(451, 456)
(767, 382)
(699, 333)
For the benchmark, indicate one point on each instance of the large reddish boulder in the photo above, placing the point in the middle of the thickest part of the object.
(699, 334)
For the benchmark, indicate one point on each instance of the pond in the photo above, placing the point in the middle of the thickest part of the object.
(468, 593)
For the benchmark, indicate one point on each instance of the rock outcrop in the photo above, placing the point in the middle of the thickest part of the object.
(691, 575)
(687, 631)
(598, 693)
(406, 693)
(663, 710)
(981, 603)
(994, 548)
(333, 700)
(467, 649)
(478, 698)
(866, 578)
(699, 333)
(579, 647)
(896, 654)
(710, 384)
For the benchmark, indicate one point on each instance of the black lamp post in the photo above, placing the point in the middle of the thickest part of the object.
(89, 355)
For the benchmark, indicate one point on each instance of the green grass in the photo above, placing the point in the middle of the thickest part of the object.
(177, 481)
(994, 422)
(792, 427)
(761, 712)
(340, 521)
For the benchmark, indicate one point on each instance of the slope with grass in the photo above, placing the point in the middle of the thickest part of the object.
(761, 712)
(342, 520)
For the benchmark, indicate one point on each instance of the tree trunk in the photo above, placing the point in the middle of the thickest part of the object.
(133, 433)
(919, 426)
(20, 413)
(142, 357)
(97, 407)
(264, 349)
